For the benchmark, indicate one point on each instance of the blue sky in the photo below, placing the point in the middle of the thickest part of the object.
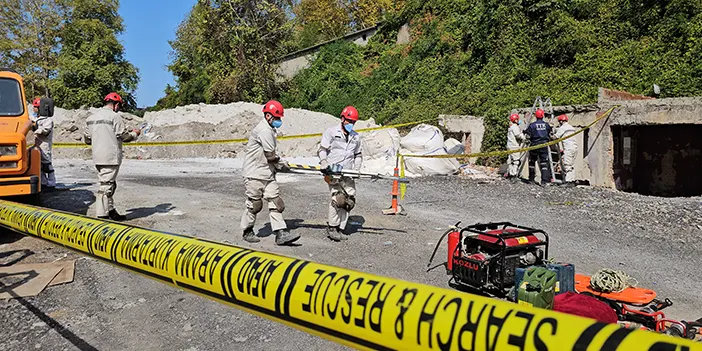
(149, 25)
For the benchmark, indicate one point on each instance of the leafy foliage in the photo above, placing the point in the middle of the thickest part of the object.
(91, 60)
(225, 51)
(28, 41)
(486, 57)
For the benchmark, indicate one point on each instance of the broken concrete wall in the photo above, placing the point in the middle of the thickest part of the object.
(596, 146)
(472, 128)
(605, 96)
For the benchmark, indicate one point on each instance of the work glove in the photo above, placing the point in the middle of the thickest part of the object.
(336, 168)
(137, 131)
(324, 167)
(283, 166)
(86, 138)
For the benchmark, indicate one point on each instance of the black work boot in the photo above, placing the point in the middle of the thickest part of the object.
(250, 236)
(342, 235)
(285, 237)
(115, 216)
(334, 233)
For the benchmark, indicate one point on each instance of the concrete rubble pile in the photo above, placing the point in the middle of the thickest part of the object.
(235, 120)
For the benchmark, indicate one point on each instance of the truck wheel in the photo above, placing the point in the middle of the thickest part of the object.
(31, 199)
(35, 200)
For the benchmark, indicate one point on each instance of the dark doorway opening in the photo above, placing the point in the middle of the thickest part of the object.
(658, 160)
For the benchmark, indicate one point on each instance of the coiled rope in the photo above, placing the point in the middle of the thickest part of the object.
(609, 280)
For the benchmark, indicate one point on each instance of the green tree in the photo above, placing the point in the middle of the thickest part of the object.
(486, 57)
(320, 20)
(29, 41)
(317, 21)
(91, 62)
(225, 51)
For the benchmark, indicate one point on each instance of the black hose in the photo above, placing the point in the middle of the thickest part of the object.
(439, 242)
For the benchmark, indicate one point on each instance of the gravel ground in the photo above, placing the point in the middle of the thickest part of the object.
(655, 240)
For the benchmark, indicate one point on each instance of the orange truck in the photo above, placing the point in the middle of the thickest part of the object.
(20, 165)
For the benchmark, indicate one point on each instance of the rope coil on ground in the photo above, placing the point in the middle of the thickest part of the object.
(609, 280)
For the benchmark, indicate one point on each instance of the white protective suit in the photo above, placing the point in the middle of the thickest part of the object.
(570, 150)
(106, 132)
(515, 137)
(339, 148)
(43, 139)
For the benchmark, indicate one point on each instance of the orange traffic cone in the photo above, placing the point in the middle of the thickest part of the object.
(395, 208)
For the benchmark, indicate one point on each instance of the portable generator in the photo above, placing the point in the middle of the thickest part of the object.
(484, 257)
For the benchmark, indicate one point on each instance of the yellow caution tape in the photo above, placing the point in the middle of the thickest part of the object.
(403, 186)
(310, 167)
(357, 309)
(507, 152)
(234, 141)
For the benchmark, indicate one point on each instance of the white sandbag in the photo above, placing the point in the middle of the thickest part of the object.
(454, 147)
(380, 148)
(430, 166)
(380, 143)
(423, 138)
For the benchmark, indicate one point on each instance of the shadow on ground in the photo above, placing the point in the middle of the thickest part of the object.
(354, 225)
(142, 212)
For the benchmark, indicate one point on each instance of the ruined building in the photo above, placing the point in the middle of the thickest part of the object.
(647, 146)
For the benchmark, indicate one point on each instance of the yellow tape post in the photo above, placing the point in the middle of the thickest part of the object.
(357, 309)
(507, 152)
(233, 141)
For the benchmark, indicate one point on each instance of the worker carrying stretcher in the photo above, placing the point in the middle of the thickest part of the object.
(261, 164)
(340, 149)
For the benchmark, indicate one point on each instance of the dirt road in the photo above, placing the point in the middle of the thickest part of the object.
(655, 240)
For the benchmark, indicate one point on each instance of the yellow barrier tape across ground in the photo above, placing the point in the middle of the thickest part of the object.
(357, 309)
(233, 141)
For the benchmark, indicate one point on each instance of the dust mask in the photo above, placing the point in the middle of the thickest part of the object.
(277, 123)
(348, 127)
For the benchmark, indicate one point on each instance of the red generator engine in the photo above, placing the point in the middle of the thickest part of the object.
(484, 257)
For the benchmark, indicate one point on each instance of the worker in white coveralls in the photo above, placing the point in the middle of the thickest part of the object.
(340, 149)
(43, 128)
(515, 137)
(569, 148)
(106, 132)
(261, 163)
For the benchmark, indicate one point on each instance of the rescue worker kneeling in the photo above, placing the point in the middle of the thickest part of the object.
(261, 164)
(340, 149)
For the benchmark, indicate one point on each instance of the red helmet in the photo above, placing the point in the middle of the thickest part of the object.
(273, 107)
(36, 102)
(513, 117)
(563, 118)
(350, 113)
(113, 97)
(539, 113)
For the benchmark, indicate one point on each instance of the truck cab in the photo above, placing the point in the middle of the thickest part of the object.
(20, 166)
